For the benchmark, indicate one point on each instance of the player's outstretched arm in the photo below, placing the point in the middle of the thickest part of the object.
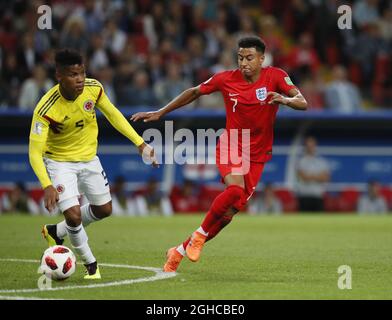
(121, 124)
(294, 100)
(181, 100)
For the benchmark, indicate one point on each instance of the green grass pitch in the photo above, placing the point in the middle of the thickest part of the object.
(255, 257)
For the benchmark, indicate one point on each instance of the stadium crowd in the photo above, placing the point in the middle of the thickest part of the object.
(146, 52)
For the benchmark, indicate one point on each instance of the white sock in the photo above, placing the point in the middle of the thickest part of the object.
(181, 250)
(87, 215)
(61, 229)
(87, 218)
(201, 230)
(79, 240)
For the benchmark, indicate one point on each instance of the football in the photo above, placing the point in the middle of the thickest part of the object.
(58, 262)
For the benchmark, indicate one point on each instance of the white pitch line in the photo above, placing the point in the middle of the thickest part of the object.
(159, 275)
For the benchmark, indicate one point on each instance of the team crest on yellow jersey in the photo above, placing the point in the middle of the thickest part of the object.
(88, 105)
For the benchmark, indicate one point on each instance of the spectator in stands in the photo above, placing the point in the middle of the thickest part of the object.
(247, 26)
(313, 173)
(155, 67)
(151, 200)
(12, 77)
(303, 60)
(385, 24)
(214, 35)
(369, 44)
(365, 12)
(172, 85)
(193, 34)
(115, 39)
(372, 202)
(140, 92)
(312, 89)
(341, 95)
(98, 56)
(269, 32)
(298, 16)
(198, 61)
(328, 37)
(27, 57)
(226, 62)
(105, 76)
(34, 88)
(17, 200)
(93, 16)
(73, 34)
(121, 80)
(265, 203)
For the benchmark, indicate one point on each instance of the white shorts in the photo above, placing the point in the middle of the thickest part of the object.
(71, 179)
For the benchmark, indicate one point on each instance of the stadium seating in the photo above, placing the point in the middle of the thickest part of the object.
(3, 190)
(348, 200)
(331, 202)
(386, 192)
(288, 199)
(36, 194)
(207, 195)
(184, 203)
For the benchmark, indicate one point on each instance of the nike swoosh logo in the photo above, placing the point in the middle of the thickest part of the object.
(233, 94)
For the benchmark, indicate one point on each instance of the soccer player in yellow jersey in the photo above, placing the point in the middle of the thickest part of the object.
(62, 153)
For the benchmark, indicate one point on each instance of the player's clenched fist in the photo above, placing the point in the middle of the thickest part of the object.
(51, 196)
(148, 154)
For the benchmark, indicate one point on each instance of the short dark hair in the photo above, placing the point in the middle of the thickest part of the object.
(68, 57)
(252, 42)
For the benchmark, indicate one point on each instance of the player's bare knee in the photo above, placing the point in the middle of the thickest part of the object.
(102, 211)
(107, 209)
(234, 180)
(73, 216)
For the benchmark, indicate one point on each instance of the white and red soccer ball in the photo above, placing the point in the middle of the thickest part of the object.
(58, 262)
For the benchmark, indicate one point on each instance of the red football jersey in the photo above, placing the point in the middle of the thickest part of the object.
(247, 108)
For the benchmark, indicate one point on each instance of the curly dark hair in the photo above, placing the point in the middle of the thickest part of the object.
(68, 57)
(252, 42)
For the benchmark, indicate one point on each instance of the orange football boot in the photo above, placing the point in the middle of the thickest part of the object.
(173, 259)
(194, 247)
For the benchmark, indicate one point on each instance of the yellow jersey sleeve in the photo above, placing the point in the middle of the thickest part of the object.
(38, 136)
(116, 119)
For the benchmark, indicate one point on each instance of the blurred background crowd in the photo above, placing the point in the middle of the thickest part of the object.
(145, 52)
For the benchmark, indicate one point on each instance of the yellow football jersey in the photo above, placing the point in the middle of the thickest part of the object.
(65, 130)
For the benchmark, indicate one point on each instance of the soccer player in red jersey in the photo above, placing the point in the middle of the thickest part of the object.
(252, 95)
